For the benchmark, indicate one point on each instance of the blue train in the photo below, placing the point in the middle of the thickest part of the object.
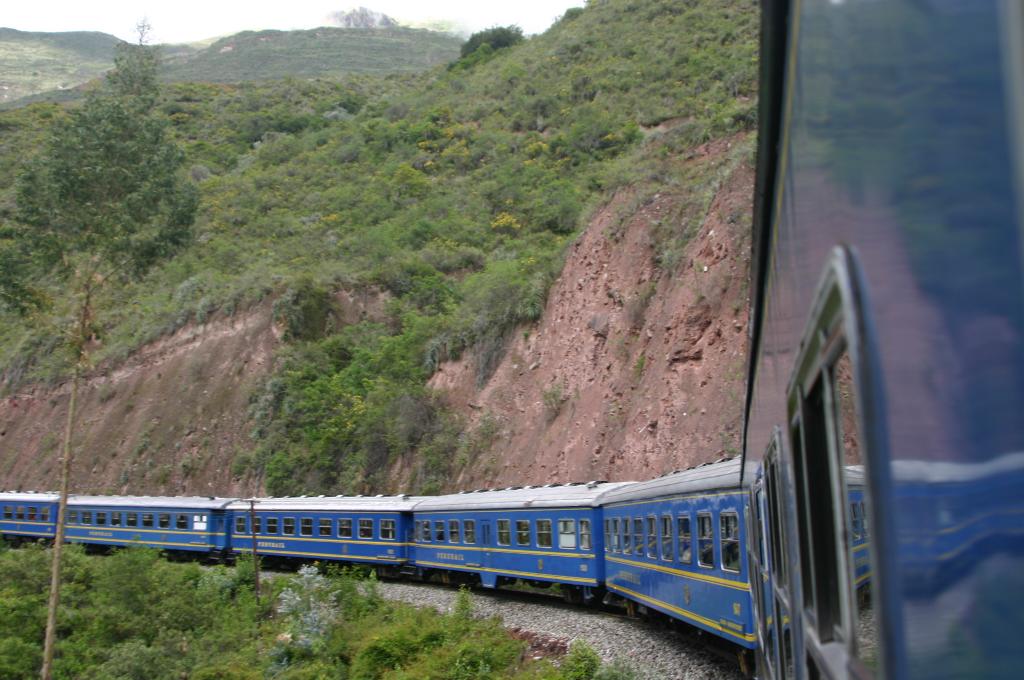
(874, 525)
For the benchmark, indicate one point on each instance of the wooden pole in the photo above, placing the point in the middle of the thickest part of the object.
(255, 556)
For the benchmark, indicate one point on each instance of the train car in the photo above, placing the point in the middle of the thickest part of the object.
(376, 530)
(193, 524)
(887, 339)
(676, 544)
(540, 535)
(26, 515)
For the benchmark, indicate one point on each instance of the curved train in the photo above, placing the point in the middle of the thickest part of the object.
(874, 525)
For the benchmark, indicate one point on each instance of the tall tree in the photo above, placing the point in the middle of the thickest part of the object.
(105, 201)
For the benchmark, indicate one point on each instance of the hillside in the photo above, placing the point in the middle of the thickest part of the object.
(538, 249)
(31, 63)
(320, 52)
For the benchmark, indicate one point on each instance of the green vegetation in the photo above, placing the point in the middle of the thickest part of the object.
(133, 615)
(453, 194)
(38, 62)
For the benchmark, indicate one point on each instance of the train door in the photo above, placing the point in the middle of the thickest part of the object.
(485, 543)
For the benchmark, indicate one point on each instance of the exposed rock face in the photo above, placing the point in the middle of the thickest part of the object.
(362, 18)
(632, 372)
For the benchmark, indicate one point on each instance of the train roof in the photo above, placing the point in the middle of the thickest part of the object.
(189, 502)
(723, 474)
(401, 503)
(29, 496)
(549, 496)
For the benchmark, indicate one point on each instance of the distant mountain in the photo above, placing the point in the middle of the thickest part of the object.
(325, 51)
(31, 63)
(362, 18)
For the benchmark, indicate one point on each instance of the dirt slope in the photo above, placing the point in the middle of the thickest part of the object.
(606, 387)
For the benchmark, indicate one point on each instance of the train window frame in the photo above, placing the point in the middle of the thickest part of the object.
(181, 522)
(544, 533)
(257, 524)
(305, 526)
(101, 518)
(8, 512)
(710, 539)
(668, 539)
(273, 526)
(454, 531)
(469, 531)
(586, 541)
(72, 517)
(115, 519)
(627, 535)
(45, 513)
(567, 539)
(240, 525)
(149, 520)
(131, 519)
(523, 535)
(86, 516)
(388, 529)
(607, 534)
(722, 517)
(163, 520)
(345, 527)
(365, 528)
(616, 536)
(638, 536)
(324, 527)
(19, 513)
(651, 534)
(838, 327)
(287, 526)
(684, 556)
(439, 531)
(504, 529)
(31, 513)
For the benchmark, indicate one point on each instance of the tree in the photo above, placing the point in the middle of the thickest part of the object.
(497, 37)
(104, 202)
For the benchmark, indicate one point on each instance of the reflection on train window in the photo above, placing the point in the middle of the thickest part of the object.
(288, 526)
(522, 532)
(685, 547)
(504, 532)
(730, 535)
(638, 536)
(567, 533)
(705, 540)
(453, 531)
(387, 529)
(543, 533)
(324, 527)
(306, 526)
(863, 638)
(469, 531)
(366, 528)
(345, 528)
(666, 538)
(272, 525)
(585, 534)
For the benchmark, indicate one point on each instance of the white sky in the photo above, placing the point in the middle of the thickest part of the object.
(176, 21)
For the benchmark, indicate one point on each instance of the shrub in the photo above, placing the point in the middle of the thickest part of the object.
(581, 663)
(498, 37)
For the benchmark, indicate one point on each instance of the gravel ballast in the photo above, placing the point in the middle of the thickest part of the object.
(653, 651)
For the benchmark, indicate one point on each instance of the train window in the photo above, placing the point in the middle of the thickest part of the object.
(504, 532)
(652, 537)
(257, 525)
(543, 533)
(31, 513)
(8, 514)
(164, 520)
(685, 548)
(453, 531)
(627, 536)
(425, 535)
(387, 529)
(366, 528)
(616, 536)
(20, 514)
(469, 531)
(199, 522)
(607, 535)
(306, 526)
(324, 527)
(147, 519)
(585, 534)
(666, 538)
(86, 517)
(101, 519)
(638, 536)
(705, 540)
(345, 528)
(729, 531)
(288, 526)
(45, 514)
(72, 516)
(272, 525)
(240, 525)
(115, 519)
(439, 531)
(522, 532)
(567, 534)
(181, 522)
